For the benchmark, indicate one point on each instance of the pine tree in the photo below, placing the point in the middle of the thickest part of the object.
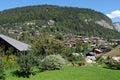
(26, 64)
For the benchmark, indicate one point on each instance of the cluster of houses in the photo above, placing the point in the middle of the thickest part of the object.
(99, 45)
(17, 29)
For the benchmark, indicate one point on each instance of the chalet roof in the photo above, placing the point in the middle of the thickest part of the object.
(98, 50)
(15, 43)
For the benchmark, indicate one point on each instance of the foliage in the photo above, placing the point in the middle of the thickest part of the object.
(67, 19)
(48, 12)
(76, 58)
(10, 63)
(82, 47)
(26, 34)
(100, 60)
(9, 52)
(2, 73)
(26, 63)
(113, 64)
(37, 58)
(52, 62)
(48, 45)
(59, 36)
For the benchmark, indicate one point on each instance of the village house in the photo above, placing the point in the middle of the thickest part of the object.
(29, 23)
(70, 44)
(79, 37)
(97, 52)
(51, 22)
(91, 56)
(114, 41)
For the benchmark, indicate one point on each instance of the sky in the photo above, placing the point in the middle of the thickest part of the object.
(111, 8)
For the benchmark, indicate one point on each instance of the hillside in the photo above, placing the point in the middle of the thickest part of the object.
(117, 26)
(80, 21)
(114, 52)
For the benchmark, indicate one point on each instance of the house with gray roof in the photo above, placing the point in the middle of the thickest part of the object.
(6, 42)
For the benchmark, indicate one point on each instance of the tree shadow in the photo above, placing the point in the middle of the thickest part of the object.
(22, 74)
(112, 68)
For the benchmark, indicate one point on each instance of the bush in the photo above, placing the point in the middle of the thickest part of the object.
(9, 63)
(26, 64)
(113, 64)
(76, 59)
(52, 62)
(2, 74)
(100, 60)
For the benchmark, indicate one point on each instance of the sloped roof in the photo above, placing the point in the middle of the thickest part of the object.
(15, 43)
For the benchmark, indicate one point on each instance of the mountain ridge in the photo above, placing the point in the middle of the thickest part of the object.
(68, 19)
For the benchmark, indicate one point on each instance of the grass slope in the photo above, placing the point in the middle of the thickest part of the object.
(114, 52)
(72, 73)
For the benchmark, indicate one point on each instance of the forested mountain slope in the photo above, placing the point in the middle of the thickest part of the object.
(81, 21)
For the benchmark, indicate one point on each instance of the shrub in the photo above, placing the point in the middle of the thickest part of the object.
(2, 74)
(9, 52)
(100, 60)
(52, 62)
(9, 63)
(26, 64)
(76, 58)
(113, 64)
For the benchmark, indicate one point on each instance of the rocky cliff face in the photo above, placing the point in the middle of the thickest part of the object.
(104, 24)
(117, 26)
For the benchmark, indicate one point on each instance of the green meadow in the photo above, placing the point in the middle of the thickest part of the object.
(71, 73)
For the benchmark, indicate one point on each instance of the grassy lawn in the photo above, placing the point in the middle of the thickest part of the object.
(72, 73)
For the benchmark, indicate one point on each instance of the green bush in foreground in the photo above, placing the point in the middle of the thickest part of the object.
(26, 64)
(100, 60)
(113, 64)
(77, 58)
(52, 62)
(9, 63)
(2, 74)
